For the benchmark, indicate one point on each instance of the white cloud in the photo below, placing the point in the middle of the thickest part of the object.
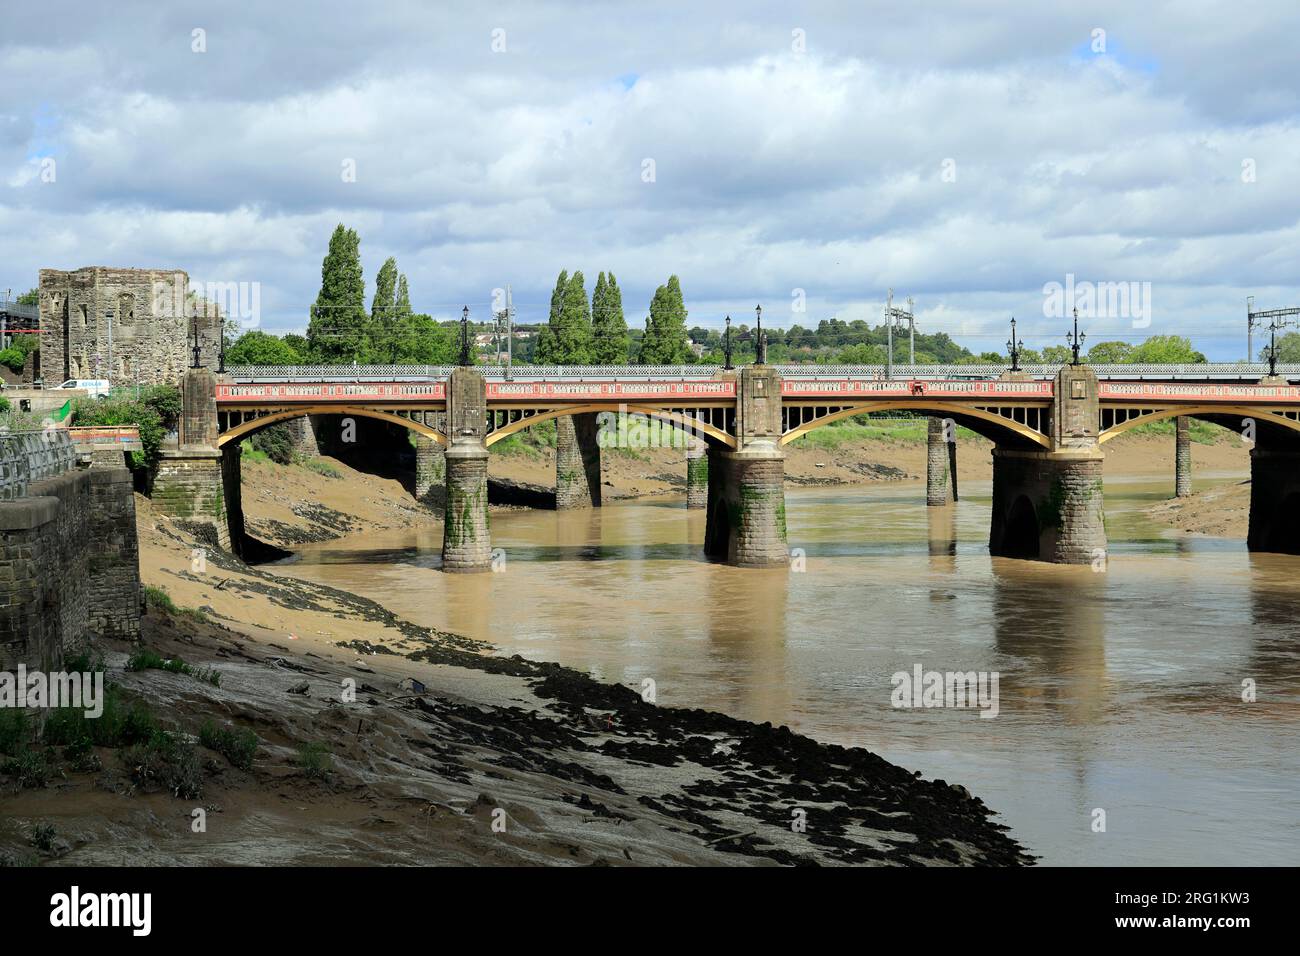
(821, 171)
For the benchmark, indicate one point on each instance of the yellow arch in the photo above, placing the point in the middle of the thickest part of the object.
(684, 421)
(253, 424)
(950, 408)
(1198, 411)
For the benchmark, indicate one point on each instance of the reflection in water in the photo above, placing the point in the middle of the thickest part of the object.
(747, 630)
(1119, 690)
(1053, 619)
(941, 523)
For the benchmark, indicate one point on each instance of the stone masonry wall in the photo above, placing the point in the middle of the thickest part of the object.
(697, 478)
(69, 557)
(188, 487)
(114, 560)
(1182, 457)
(44, 551)
(577, 462)
(936, 464)
(754, 495)
(125, 325)
(1065, 492)
(466, 544)
(430, 469)
(1274, 500)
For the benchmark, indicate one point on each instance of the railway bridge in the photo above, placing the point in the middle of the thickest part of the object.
(1049, 426)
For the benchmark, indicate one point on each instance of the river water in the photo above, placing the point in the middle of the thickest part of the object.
(1118, 691)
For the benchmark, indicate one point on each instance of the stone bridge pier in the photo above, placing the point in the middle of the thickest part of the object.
(1047, 504)
(745, 521)
(697, 474)
(197, 483)
(1274, 494)
(466, 544)
(577, 461)
(940, 463)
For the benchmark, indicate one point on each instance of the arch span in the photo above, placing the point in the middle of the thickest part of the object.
(984, 423)
(684, 422)
(1206, 413)
(244, 429)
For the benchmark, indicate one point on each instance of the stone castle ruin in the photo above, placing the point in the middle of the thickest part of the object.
(130, 326)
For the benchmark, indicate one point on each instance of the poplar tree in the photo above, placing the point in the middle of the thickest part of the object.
(336, 330)
(403, 306)
(666, 340)
(546, 352)
(608, 327)
(383, 312)
(566, 337)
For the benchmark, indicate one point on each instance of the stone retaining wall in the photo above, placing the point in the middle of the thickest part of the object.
(69, 567)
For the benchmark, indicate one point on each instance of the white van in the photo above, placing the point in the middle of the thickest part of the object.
(95, 387)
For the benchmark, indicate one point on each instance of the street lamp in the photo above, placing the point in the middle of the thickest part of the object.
(726, 346)
(1076, 340)
(464, 336)
(1013, 346)
(760, 357)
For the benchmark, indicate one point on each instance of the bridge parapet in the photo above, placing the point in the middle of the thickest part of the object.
(1207, 371)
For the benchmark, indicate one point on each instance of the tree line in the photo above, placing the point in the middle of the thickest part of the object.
(593, 331)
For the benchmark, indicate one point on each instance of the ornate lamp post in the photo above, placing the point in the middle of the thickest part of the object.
(1014, 345)
(195, 348)
(761, 347)
(1076, 340)
(464, 337)
(726, 346)
(1272, 348)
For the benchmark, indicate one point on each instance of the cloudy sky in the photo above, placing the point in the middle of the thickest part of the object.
(963, 153)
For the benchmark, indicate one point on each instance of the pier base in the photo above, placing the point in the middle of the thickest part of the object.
(577, 462)
(745, 524)
(1048, 506)
(430, 468)
(697, 478)
(937, 465)
(1274, 501)
(1182, 457)
(466, 544)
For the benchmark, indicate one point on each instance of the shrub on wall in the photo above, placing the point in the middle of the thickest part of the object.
(125, 412)
(13, 359)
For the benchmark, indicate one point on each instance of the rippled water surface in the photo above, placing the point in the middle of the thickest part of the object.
(1119, 691)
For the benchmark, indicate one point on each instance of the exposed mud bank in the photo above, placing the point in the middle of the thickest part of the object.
(379, 741)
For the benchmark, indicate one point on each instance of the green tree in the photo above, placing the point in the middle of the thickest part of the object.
(384, 304)
(546, 352)
(30, 297)
(566, 339)
(1288, 348)
(1166, 349)
(337, 330)
(256, 347)
(1109, 353)
(666, 341)
(403, 306)
(125, 412)
(608, 327)
(1056, 355)
(418, 340)
(298, 343)
(383, 311)
(861, 354)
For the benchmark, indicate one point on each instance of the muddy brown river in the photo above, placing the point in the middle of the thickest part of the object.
(1119, 692)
